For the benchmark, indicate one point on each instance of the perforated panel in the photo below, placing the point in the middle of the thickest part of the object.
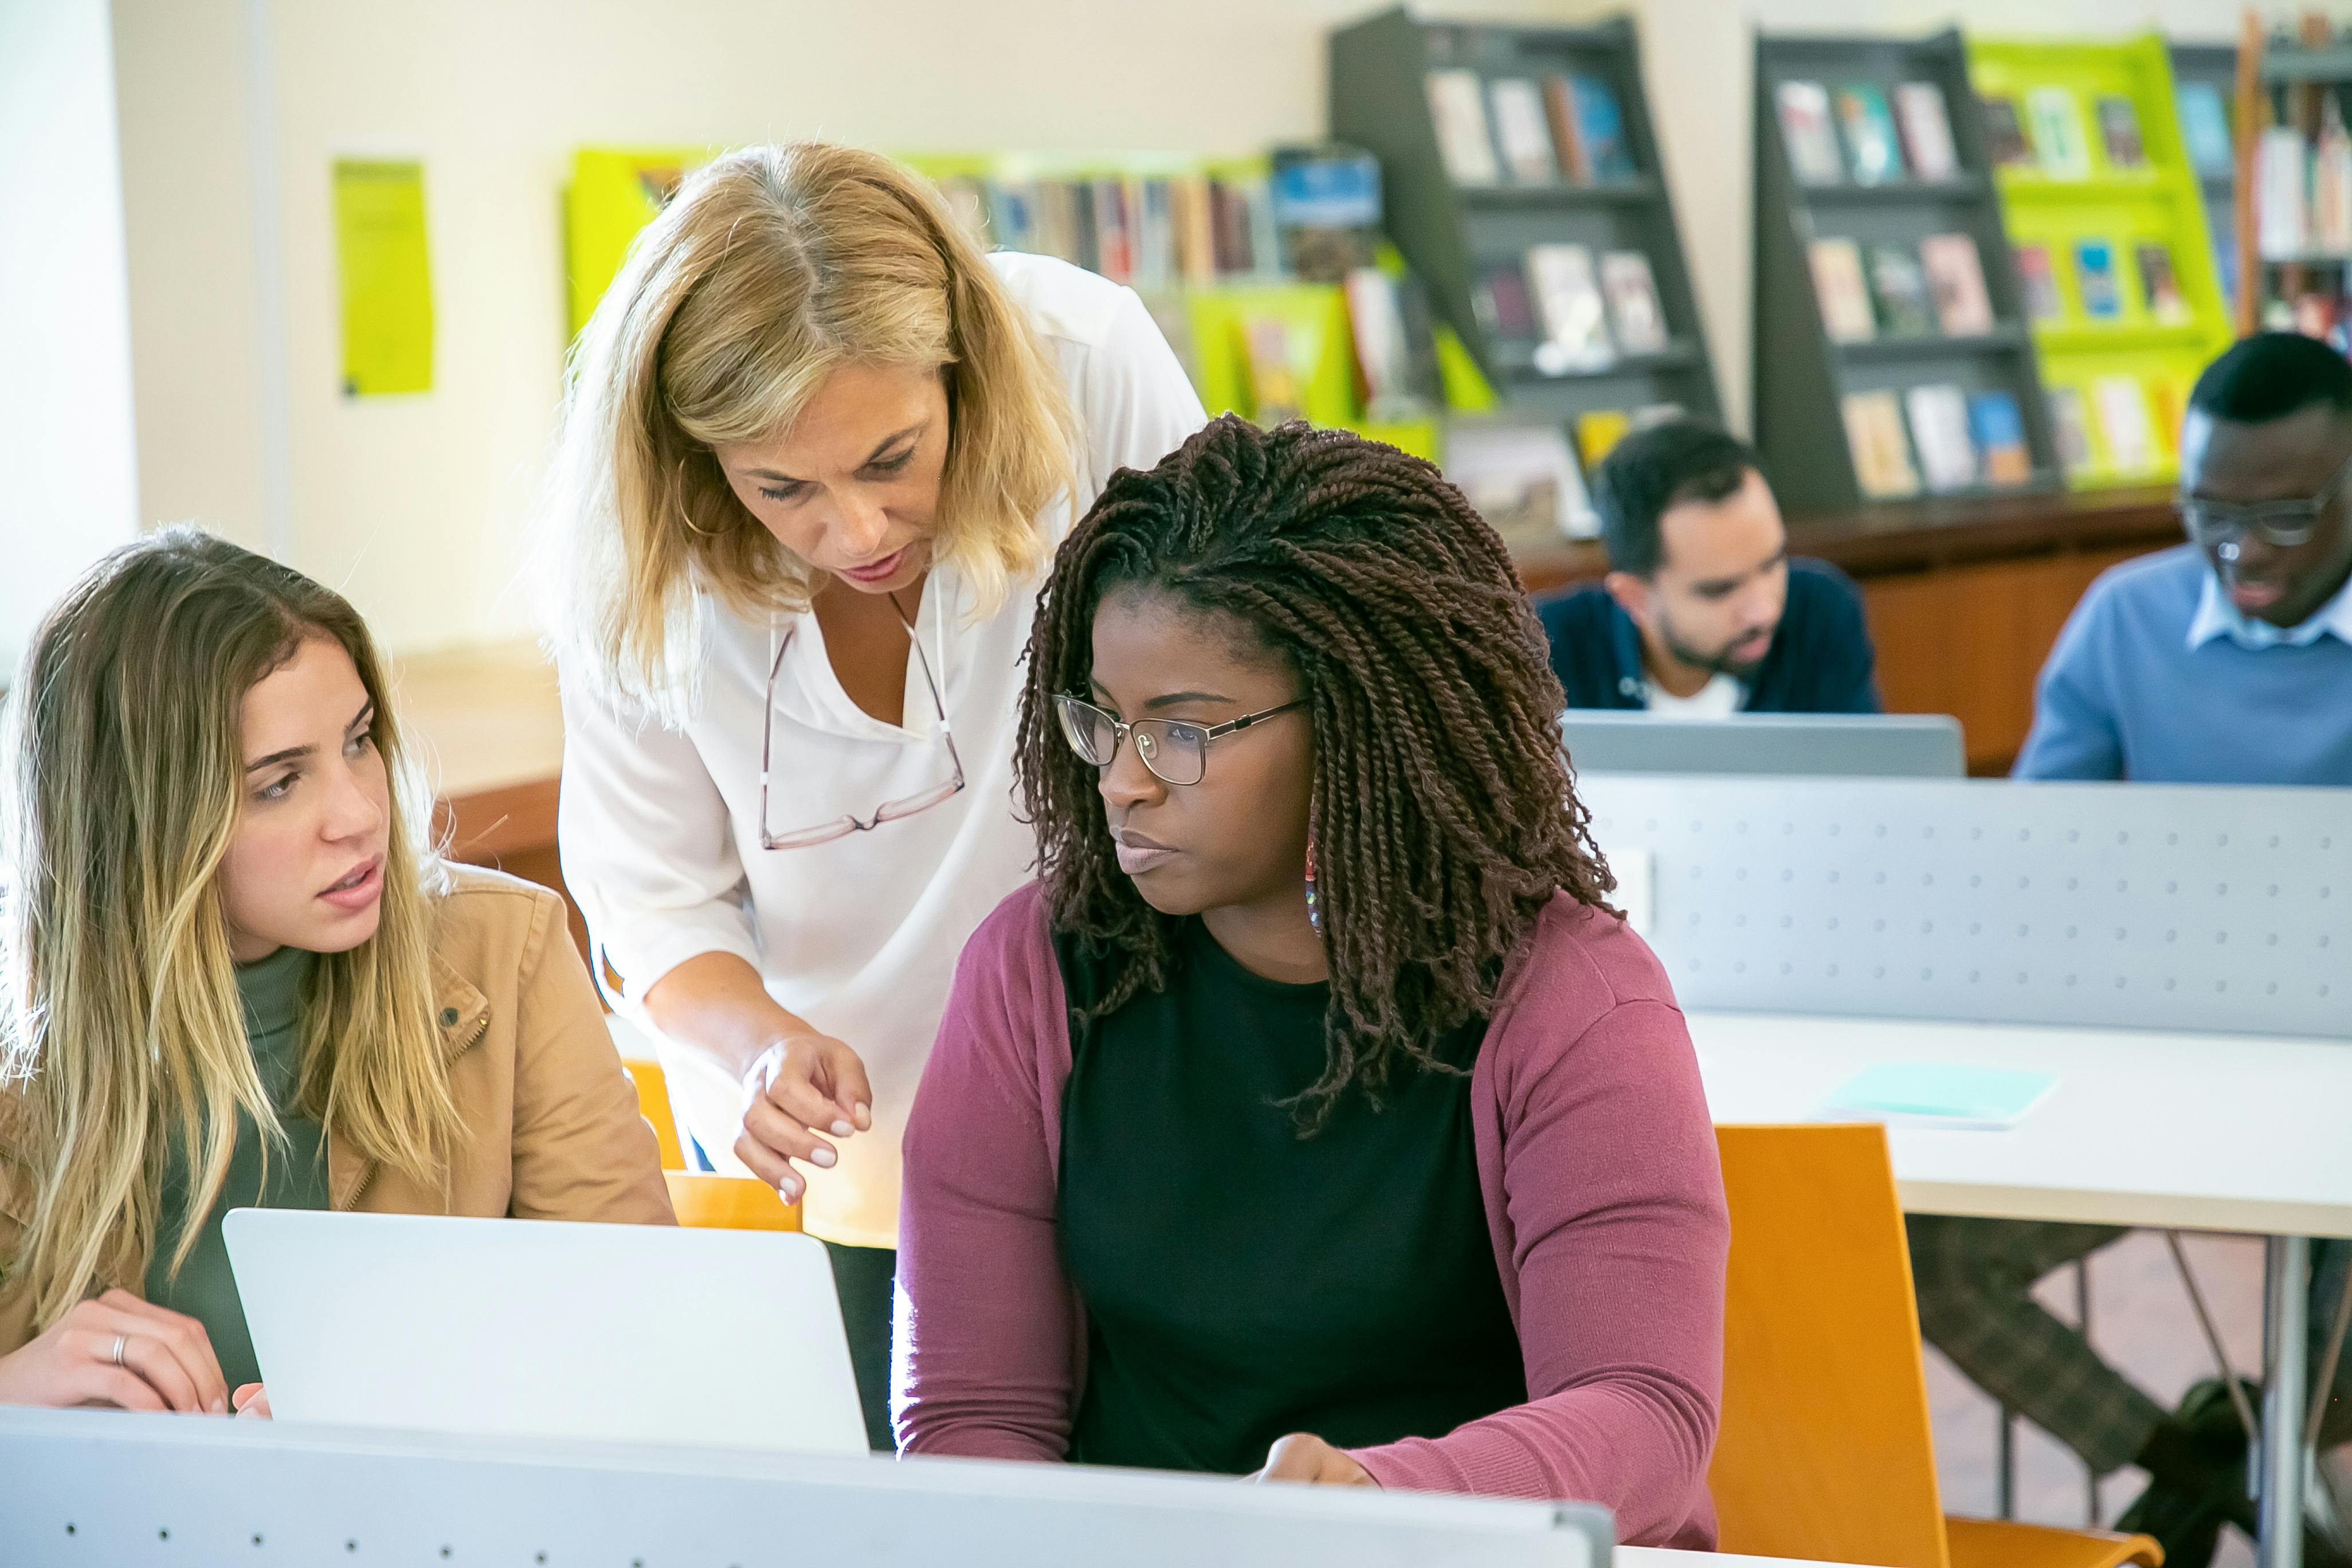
(103, 1489)
(2128, 905)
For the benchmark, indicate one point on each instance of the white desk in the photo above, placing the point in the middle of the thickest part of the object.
(2233, 1133)
(2175, 1131)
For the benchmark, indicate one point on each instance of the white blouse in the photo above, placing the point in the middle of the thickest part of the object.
(659, 828)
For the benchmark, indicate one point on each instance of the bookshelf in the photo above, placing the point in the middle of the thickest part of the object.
(2114, 246)
(2199, 69)
(2294, 163)
(1809, 380)
(1460, 234)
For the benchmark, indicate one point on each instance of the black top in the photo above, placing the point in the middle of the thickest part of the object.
(290, 1178)
(1821, 660)
(1241, 1282)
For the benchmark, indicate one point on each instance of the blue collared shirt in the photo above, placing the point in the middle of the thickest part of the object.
(2157, 676)
(2217, 618)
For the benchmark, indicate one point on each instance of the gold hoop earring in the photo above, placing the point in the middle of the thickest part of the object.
(687, 518)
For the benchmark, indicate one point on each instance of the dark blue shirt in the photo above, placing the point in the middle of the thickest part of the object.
(1820, 659)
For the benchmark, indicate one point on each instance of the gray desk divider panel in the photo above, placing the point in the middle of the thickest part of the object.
(2136, 906)
(89, 1488)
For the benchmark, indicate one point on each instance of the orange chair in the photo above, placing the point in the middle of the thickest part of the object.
(729, 1203)
(653, 1102)
(1825, 1450)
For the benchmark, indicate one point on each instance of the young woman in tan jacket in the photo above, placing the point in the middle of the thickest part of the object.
(233, 972)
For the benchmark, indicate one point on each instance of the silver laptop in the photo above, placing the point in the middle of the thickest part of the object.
(615, 1333)
(1844, 745)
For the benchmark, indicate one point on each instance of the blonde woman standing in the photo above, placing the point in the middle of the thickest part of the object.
(233, 973)
(818, 449)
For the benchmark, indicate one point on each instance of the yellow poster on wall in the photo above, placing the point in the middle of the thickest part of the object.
(614, 192)
(386, 277)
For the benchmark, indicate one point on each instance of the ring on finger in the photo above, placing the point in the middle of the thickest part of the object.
(121, 1343)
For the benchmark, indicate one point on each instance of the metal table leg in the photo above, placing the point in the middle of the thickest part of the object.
(2279, 1470)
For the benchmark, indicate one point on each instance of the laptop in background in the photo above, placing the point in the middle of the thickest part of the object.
(627, 1333)
(1845, 745)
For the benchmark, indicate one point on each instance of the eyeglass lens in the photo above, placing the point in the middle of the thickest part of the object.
(1175, 753)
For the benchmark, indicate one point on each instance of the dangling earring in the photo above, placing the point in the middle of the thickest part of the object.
(1314, 904)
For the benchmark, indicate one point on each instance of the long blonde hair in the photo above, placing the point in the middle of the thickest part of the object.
(120, 1023)
(771, 267)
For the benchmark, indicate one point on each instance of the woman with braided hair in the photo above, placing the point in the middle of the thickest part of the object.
(1312, 1115)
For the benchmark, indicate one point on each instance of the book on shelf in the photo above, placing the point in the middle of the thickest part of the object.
(2095, 280)
(2329, 227)
(2281, 194)
(2039, 283)
(2205, 127)
(1277, 382)
(2005, 141)
(1926, 125)
(1523, 480)
(1570, 305)
(2159, 286)
(1882, 452)
(1598, 433)
(1998, 427)
(1939, 429)
(1520, 130)
(1651, 413)
(1506, 311)
(1458, 107)
(1600, 128)
(2119, 134)
(1808, 133)
(1838, 285)
(2070, 429)
(2060, 148)
(1326, 206)
(1632, 290)
(1559, 117)
(1874, 153)
(2125, 426)
(1377, 331)
(1899, 291)
(1956, 279)
(2166, 405)
(1114, 255)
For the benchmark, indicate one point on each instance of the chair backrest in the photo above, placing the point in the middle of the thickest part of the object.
(1825, 1450)
(653, 1101)
(729, 1203)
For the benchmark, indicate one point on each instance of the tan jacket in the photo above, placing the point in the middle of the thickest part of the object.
(550, 1124)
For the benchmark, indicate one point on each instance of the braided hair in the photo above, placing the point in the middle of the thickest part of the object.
(1446, 814)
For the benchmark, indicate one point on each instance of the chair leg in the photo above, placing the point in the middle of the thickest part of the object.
(2083, 1326)
(2004, 1480)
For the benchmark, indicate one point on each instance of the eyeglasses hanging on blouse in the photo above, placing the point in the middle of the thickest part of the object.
(889, 810)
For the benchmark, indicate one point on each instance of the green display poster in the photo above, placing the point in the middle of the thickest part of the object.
(387, 281)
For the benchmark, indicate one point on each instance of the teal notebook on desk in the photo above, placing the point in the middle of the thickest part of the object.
(1938, 1094)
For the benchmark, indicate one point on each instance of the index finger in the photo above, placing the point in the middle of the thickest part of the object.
(851, 1092)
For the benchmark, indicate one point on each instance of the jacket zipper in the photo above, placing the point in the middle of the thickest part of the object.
(367, 1177)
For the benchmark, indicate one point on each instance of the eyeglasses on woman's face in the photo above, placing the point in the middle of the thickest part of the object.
(1175, 750)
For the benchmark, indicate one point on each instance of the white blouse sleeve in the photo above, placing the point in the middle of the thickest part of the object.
(1134, 401)
(647, 844)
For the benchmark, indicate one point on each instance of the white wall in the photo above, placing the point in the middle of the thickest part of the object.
(66, 442)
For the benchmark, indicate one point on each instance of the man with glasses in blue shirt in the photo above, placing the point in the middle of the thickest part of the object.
(2225, 660)
(2229, 659)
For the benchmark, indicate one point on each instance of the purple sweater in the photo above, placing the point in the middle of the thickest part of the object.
(1602, 1193)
